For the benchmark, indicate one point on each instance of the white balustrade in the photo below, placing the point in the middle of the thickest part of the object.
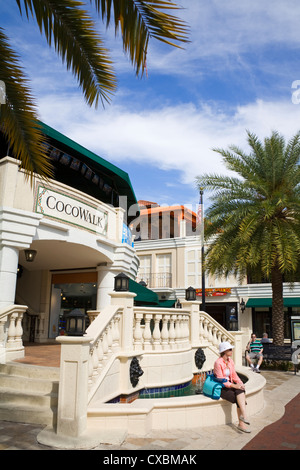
(123, 330)
(161, 329)
(106, 341)
(154, 329)
(11, 332)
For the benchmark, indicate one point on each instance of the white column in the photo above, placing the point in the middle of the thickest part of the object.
(105, 285)
(17, 229)
(9, 257)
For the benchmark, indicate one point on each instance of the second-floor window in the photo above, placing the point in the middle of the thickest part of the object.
(193, 268)
(164, 270)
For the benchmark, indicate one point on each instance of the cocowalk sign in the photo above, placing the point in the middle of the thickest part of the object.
(73, 211)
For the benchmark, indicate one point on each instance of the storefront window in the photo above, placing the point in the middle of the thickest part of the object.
(67, 297)
(262, 321)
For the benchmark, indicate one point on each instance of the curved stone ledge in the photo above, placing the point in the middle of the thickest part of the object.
(145, 415)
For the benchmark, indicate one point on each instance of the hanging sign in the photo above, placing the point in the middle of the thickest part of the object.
(215, 292)
(59, 206)
(127, 235)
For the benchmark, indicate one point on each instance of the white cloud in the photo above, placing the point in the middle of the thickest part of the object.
(223, 31)
(170, 134)
(176, 137)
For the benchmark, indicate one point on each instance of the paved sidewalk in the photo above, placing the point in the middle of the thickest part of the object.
(277, 427)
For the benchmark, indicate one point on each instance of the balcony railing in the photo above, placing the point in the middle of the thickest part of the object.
(156, 280)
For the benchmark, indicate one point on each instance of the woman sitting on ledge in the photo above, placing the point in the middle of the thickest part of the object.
(233, 389)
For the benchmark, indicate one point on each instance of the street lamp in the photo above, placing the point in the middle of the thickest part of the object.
(121, 283)
(190, 294)
(75, 323)
(202, 250)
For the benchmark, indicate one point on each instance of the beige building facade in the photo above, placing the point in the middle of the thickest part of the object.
(62, 240)
(170, 265)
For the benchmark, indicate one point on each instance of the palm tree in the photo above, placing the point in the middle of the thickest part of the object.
(71, 29)
(254, 219)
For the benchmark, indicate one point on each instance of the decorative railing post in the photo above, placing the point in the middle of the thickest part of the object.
(73, 385)
(147, 333)
(194, 326)
(138, 333)
(156, 332)
(125, 300)
(238, 350)
(165, 332)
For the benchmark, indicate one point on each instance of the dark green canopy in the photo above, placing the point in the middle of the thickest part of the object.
(146, 297)
(267, 302)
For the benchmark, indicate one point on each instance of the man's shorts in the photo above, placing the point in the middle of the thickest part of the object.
(254, 355)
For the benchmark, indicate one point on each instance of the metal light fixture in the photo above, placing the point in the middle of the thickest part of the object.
(75, 323)
(242, 305)
(30, 255)
(121, 283)
(190, 294)
(233, 321)
(19, 271)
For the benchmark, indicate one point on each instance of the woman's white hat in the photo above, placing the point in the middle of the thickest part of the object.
(225, 346)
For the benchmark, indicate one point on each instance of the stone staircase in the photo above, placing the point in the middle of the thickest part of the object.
(28, 393)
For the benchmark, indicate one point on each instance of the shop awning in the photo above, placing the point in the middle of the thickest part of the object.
(267, 302)
(114, 175)
(146, 297)
(143, 294)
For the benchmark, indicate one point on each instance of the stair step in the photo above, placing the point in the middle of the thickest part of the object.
(30, 371)
(28, 414)
(28, 393)
(27, 384)
(34, 399)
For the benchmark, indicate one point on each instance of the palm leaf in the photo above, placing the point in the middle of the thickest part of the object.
(253, 221)
(138, 21)
(72, 31)
(70, 28)
(18, 115)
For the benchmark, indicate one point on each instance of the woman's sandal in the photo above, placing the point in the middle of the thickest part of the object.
(244, 420)
(243, 430)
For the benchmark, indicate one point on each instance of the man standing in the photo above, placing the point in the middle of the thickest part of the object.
(254, 351)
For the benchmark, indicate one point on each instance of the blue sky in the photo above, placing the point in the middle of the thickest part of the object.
(236, 73)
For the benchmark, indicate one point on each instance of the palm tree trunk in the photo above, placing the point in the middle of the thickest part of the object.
(277, 307)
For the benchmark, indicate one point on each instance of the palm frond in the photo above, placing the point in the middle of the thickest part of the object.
(253, 222)
(18, 117)
(138, 21)
(72, 31)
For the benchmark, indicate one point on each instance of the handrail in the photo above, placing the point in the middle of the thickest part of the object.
(105, 331)
(11, 331)
(211, 332)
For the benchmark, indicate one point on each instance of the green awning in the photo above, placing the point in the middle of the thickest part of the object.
(146, 297)
(267, 302)
(121, 178)
(291, 302)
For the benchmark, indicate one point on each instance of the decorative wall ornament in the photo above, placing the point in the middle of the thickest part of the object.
(200, 358)
(135, 372)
